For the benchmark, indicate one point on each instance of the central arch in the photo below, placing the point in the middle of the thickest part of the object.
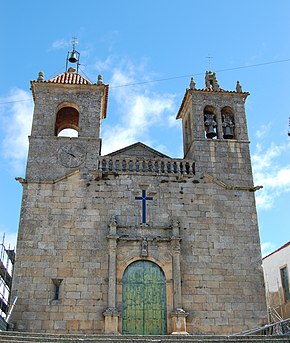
(144, 299)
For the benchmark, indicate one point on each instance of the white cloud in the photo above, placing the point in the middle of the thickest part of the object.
(105, 65)
(270, 170)
(264, 201)
(172, 122)
(281, 179)
(263, 131)
(10, 239)
(267, 248)
(17, 123)
(139, 108)
(61, 44)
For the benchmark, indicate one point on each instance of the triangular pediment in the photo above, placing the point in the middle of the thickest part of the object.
(139, 150)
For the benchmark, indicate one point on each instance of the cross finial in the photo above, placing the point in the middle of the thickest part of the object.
(209, 62)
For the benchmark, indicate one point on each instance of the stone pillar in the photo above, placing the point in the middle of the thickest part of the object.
(111, 313)
(219, 128)
(178, 315)
(175, 242)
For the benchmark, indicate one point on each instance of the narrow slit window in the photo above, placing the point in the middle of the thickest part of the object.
(56, 288)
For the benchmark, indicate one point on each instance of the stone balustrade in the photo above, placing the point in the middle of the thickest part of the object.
(148, 166)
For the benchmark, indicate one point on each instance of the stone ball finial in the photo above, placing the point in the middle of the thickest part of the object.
(192, 84)
(71, 70)
(40, 76)
(238, 87)
(100, 79)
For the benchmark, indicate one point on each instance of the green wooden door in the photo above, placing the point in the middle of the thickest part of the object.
(144, 299)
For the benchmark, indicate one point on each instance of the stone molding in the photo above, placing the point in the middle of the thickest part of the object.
(66, 176)
(229, 187)
(170, 265)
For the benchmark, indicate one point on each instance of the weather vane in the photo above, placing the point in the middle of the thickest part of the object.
(74, 43)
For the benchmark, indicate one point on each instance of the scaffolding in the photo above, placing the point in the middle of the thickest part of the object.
(7, 259)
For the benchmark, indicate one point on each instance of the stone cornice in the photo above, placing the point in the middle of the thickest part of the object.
(232, 187)
(66, 176)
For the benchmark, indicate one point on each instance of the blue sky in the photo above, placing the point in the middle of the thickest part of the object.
(131, 42)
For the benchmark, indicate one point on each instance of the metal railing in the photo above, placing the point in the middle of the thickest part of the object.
(280, 328)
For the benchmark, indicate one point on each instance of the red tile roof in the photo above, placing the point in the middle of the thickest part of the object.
(70, 78)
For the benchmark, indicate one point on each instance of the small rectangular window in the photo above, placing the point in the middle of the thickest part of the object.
(56, 292)
(285, 283)
(56, 288)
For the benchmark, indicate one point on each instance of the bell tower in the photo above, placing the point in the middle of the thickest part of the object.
(67, 101)
(215, 130)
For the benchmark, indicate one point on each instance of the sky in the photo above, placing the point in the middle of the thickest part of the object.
(147, 50)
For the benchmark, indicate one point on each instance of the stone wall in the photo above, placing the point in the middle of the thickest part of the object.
(63, 235)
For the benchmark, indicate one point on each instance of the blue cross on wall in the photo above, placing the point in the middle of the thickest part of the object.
(144, 199)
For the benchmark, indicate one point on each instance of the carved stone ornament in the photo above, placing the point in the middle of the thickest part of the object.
(239, 87)
(109, 311)
(211, 81)
(192, 84)
(144, 247)
(113, 222)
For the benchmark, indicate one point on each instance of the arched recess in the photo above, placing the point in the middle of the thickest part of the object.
(67, 117)
(144, 309)
(228, 122)
(210, 122)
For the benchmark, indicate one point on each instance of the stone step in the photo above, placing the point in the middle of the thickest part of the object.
(25, 337)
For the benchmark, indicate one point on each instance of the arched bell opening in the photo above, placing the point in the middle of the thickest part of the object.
(67, 118)
(228, 122)
(210, 122)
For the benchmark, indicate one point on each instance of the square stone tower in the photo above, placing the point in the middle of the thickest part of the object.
(136, 242)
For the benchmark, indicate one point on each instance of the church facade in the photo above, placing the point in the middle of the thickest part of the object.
(136, 242)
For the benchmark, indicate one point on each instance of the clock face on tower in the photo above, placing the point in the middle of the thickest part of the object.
(71, 155)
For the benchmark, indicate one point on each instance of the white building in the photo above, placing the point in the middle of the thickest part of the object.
(276, 271)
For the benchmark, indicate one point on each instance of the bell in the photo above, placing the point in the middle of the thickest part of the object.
(73, 57)
(211, 132)
(228, 133)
